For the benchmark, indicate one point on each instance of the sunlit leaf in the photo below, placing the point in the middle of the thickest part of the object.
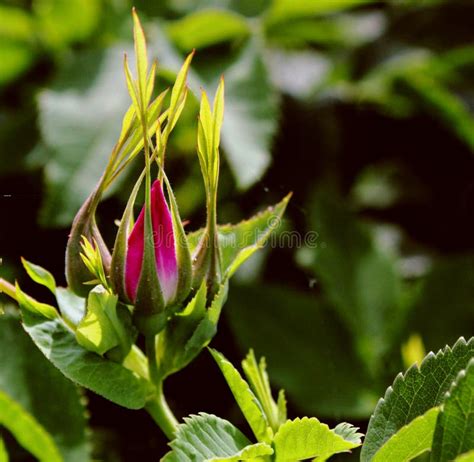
(454, 433)
(206, 27)
(27, 431)
(414, 393)
(247, 401)
(411, 440)
(308, 438)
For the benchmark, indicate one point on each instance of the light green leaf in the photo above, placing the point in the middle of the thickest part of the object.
(284, 10)
(59, 24)
(206, 27)
(27, 431)
(42, 391)
(360, 280)
(141, 59)
(467, 457)
(205, 437)
(16, 46)
(258, 316)
(29, 303)
(257, 377)
(3, 451)
(80, 120)
(411, 440)
(238, 242)
(96, 330)
(414, 393)
(251, 105)
(454, 432)
(40, 275)
(249, 404)
(307, 438)
(104, 377)
(71, 306)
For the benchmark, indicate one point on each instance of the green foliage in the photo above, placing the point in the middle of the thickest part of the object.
(207, 437)
(414, 393)
(249, 404)
(37, 395)
(206, 27)
(306, 438)
(359, 279)
(454, 432)
(106, 378)
(238, 242)
(411, 440)
(313, 336)
(27, 431)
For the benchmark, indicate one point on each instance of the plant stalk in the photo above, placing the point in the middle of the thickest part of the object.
(8, 289)
(161, 413)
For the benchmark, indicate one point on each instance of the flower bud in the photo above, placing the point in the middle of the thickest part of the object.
(151, 265)
(84, 226)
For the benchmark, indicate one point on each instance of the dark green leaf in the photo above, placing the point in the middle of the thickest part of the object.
(414, 393)
(42, 391)
(360, 280)
(106, 378)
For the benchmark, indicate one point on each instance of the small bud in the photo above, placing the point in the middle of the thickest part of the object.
(84, 226)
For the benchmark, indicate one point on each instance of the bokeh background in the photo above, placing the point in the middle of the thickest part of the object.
(364, 109)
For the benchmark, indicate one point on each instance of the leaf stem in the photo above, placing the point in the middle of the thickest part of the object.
(161, 413)
(8, 289)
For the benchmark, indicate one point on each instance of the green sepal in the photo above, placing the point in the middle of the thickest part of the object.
(171, 355)
(33, 306)
(84, 224)
(238, 242)
(183, 254)
(119, 254)
(194, 328)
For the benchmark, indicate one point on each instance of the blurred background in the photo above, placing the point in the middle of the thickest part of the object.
(364, 109)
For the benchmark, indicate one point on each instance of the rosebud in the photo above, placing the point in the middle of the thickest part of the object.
(164, 244)
(151, 264)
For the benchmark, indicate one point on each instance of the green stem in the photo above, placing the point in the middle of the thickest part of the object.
(158, 408)
(8, 289)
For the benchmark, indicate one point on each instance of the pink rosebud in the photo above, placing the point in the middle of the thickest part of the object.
(164, 243)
